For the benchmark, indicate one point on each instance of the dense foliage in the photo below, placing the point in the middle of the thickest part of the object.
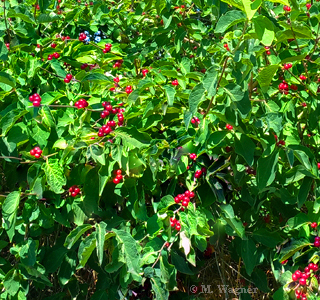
(142, 139)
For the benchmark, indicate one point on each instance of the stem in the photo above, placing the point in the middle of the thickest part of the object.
(5, 20)
(218, 84)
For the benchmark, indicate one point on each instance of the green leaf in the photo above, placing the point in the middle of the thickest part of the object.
(10, 119)
(264, 29)
(229, 19)
(85, 249)
(210, 81)
(161, 293)
(132, 137)
(68, 267)
(170, 93)
(265, 76)
(304, 191)
(266, 170)
(245, 147)
(195, 97)
(165, 203)
(100, 233)
(178, 38)
(180, 263)
(249, 254)
(75, 234)
(55, 176)
(295, 246)
(97, 78)
(267, 238)
(130, 255)
(55, 65)
(47, 116)
(251, 7)
(9, 212)
(228, 216)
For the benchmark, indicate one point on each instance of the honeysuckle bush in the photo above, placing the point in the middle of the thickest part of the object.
(137, 134)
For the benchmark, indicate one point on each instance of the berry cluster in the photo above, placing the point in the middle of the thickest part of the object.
(229, 127)
(184, 198)
(54, 55)
(193, 156)
(36, 152)
(118, 177)
(82, 37)
(281, 142)
(129, 89)
(226, 46)
(174, 223)
(105, 129)
(175, 82)
(107, 48)
(251, 171)
(65, 37)
(317, 241)
(200, 173)
(74, 191)
(287, 66)
(109, 109)
(144, 72)
(35, 99)
(81, 103)
(303, 277)
(287, 8)
(118, 63)
(284, 87)
(268, 52)
(195, 120)
(68, 78)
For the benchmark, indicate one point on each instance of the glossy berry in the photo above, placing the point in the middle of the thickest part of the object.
(53, 45)
(74, 190)
(144, 72)
(302, 77)
(314, 225)
(308, 5)
(56, 55)
(129, 89)
(198, 174)
(81, 103)
(287, 8)
(175, 82)
(229, 127)
(287, 66)
(302, 281)
(316, 243)
(36, 152)
(226, 46)
(193, 156)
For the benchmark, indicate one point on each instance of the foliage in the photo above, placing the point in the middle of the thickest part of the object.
(218, 98)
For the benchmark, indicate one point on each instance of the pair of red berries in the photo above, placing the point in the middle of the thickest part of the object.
(82, 36)
(302, 77)
(107, 48)
(144, 72)
(84, 66)
(81, 103)
(317, 241)
(129, 89)
(65, 38)
(287, 8)
(174, 223)
(201, 172)
(118, 177)
(68, 78)
(229, 127)
(287, 66)
(74, 191)
(175, 82)
(195, 120)
(54, 55)
(268, 52)
(35, 99)
(226, 46)
(118, 63)
(314, 225)
(193, 156)
(184, 198)
(36, 152)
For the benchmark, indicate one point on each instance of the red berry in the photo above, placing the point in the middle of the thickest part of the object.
(53, 45)
(69, 76)
(32, 152)
(116, 180)
(308, 5)
(317, 243)
(175, 82)
(36, 103)
(185, 203)
(56, 55)
(294, 277)
(314, 225)
(37, 155)
(119, 177)
(302, 281)
(178, 227)
(177, 200)
(66, 80)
